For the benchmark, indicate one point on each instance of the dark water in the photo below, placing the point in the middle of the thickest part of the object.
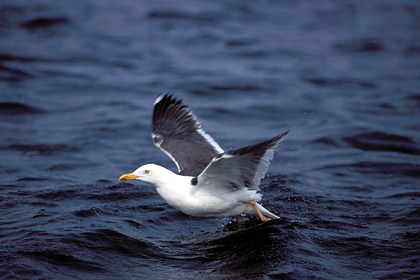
(77, 84)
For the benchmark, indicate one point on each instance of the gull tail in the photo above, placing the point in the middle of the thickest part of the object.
(267, 213)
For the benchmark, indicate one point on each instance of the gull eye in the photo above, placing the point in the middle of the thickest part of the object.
(146, 171)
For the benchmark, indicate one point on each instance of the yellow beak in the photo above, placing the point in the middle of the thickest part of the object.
(128, 176)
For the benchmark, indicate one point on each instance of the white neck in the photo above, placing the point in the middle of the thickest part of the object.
(174, 188)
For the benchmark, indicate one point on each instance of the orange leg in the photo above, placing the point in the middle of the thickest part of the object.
(262, 217)
(240, 222)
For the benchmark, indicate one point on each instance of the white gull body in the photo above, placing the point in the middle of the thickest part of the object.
(211, 182)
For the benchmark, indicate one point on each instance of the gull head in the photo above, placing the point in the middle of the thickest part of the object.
(149, 173)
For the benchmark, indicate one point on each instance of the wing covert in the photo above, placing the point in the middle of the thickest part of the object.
(241, 168)
(178, 133)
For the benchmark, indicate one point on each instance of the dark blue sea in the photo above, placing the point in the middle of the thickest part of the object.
(77, 84)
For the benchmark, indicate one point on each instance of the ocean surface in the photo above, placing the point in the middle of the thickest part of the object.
(77, 84)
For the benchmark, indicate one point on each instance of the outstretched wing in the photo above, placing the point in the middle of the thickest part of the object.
(177, 132)
(241, 168)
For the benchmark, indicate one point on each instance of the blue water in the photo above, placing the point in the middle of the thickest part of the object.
(77, 85)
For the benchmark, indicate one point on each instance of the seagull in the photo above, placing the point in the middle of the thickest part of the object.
(210, 182)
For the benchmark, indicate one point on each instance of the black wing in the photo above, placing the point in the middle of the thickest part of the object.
(178, 133)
